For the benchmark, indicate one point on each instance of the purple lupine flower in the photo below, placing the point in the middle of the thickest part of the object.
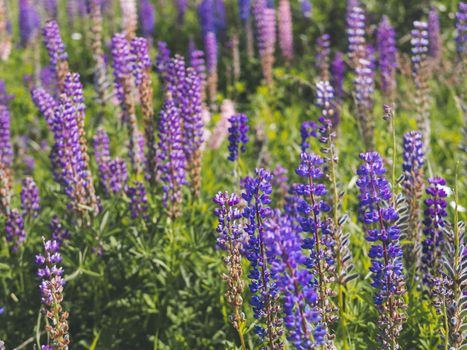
(263, 288)
(51, 288)
(434, 34)
(296, 283)
(138, 200)
(238, 135)
(364, 85)
(387, 56)
(337, 74)
(319, 241)
(29, 198)
(434, 230)
(380, 219)
(123, 64)
(29, 21)
(147, 15)
(412, 186)
(14, 229)
(207, 17)
(307, 8)
(285, 30)
(118, 175)
(229, 239)
(461, 28)
(307, 130)
(244, 9)
(323, 44)
(198, 64)
(420, 73)
(162, 60)
(265, 18)
(210, 47)
(171, 158)
(59, 233)
(182, 6)
(176, 79)
(45, 103)
(355, 31)
(48, 79)
(56, 50)
(6, 149)
(219, 20)
(140, 57)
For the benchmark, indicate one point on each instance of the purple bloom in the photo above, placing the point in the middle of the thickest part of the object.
(206, 14)
(162, 60)
(296, 283)
(172, 160)
(138, 200)
(14, 229)
(434, 34)
(387, 52)
(29, 198)
(244, 9)
(140, 57)
(337, 74)
(420, 45)
(356, 31)
(307, 130)
(323, 44)
(51, 288)
(29, 21)
(306, 8)
(263, 287)
(461, 28)
(56, 50)
(380, 221)
(219, 20)
(434, 230)
(265, 18)
(147, 15)
(210, 45)
(198, 64)
(238, 135)
(118, 175)
(58, 232)
(228, 228)
(6, 149)
(285, 30)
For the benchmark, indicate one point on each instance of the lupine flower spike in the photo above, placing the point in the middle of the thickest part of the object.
(337, 75)
(387, 60)
(29, 198)
(51, 289)
(265, 18)
(421, 74)
(229, 232)
(379, 218)
(434, 37)
(138, 200)
(285, 30)
(14, 229)
(238, 135)
(322, 56)
(263, 287)
(412, 185)
(319, 237)
(56, 50)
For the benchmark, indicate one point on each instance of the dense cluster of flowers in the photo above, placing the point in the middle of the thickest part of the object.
(387, 57)
(147, 15)
(238, 135)
(30, 202)
(380, 220)
(14, 229)
(138, 199)
(56, 50)
(337, 74)
(51, 288)
(29, 21)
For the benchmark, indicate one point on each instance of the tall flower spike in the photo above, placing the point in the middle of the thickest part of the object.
(323, 45)
(337, 75)
(123, 66)
(420, 73)
(171, 157)
(434, 36)
(129, 18)
(387, 57)
(238, 135)
(147, 15)
(198, 64)
(379, 218)
(413, 189)
(265, 18)
(364, 85)
(263, 288)
(210, 47)
(29, 21)
(229, 232)
(56, 50)
(162, 60)
(193, 127)
(319, 237)
(142, 74)
(14, 229)
(355, 32)
(51, 288)
(138, 200)
(434, 231)
(6, 159)
(296, 284)
(30, 201)
(285, 30)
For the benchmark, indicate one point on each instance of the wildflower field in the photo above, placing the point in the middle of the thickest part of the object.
(233, 174)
